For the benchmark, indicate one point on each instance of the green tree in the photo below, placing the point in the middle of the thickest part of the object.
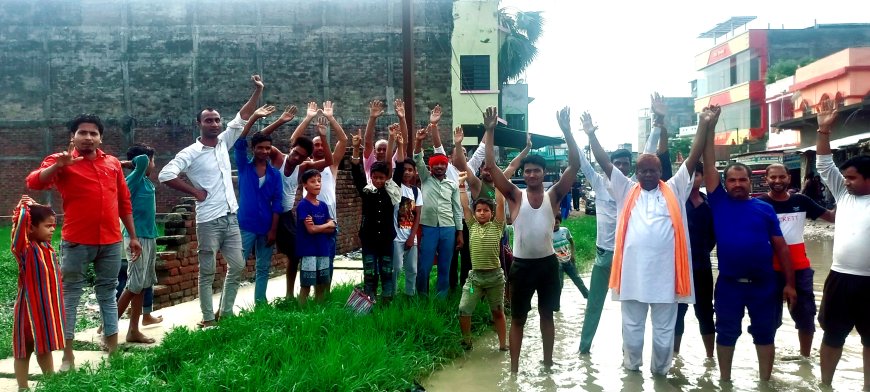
(518, 49)
(785, 68)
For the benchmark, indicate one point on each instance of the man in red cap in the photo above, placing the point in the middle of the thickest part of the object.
(441, 217)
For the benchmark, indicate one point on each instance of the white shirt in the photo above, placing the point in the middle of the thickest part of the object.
(208, 168)
(327, 191)
(403, 212)
(289, 186)
(605, 205)
(851, 245)
(473, 163)
(648, 273)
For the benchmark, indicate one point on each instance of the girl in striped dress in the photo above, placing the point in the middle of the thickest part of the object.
(38, 317)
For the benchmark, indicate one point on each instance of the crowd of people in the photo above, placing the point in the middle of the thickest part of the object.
(655, 233)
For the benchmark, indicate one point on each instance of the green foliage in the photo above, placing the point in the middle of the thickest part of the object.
(786, 68)
(282, 347)
(518, 49)
(583, 230)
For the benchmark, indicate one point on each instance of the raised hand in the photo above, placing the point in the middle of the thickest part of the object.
(435, 115)
(25, 201)
(321, 128)
(328, 109)
(312, 110)
(400, 138)
(258, 82)
(657, 103)
(421, 135)
(289, 113)
(463, 175)
(400, 108)
(586, 121)
(827, 114)
(263, 111)
(66, 158)
(458, 136)
(376, 108)
(717, 110)
(490, 117)
(706, 116)
(394, 130)
(357, 139)
(528, 139)
(564, 118)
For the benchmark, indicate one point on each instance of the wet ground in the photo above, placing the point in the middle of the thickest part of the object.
(486, 369)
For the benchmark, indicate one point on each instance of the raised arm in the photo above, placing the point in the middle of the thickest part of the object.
(515, 163)
(827, 115)
(340, 136)
(422, 170)
(263, 111)
(699, 144)
(401, 152)
(391, 144)
(434, 120)
(376, 109)
(287, 116)
(321, 132)
(711, 175)
(499, 207)
(460, 163)
(502, 183)
(249, 107)
(399, 107)
(467, 213)
(600, 155)
(355, 151)
(310, 113)
(563, 186)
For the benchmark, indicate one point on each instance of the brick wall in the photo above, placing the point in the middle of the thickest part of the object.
(147, 69)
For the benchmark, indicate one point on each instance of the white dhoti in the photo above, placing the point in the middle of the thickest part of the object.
(664, 317)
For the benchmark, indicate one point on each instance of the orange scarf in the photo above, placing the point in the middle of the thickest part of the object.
(681, 260)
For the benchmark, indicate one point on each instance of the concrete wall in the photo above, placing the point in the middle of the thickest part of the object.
(147, 67)
(475, 32)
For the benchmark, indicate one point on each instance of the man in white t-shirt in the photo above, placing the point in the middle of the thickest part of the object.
(847, 288)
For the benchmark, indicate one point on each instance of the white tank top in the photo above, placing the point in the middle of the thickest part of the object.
(533, 229)
(288, 195)
(327, 191)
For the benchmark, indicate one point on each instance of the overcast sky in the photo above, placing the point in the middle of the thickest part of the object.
(608, 57)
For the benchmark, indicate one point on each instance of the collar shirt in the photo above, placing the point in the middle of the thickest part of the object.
(441, 198)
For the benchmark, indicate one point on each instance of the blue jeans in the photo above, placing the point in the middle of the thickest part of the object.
(147, 302)
(441, 240)
(74, 261)
(257, 243)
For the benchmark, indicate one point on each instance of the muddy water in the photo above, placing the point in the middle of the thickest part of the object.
(486, 369)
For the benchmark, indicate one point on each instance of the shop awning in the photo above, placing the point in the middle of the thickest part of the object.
(509, 137)
(842, 142)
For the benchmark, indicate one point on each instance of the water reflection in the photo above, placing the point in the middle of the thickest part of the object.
(485, 368)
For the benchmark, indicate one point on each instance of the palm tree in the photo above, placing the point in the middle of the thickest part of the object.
(518, 49)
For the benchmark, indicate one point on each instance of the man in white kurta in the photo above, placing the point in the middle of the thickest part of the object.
(648, 272)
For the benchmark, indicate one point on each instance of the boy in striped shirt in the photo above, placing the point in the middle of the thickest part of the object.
(486, 278)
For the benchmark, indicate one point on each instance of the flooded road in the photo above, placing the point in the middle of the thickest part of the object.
(487, 369)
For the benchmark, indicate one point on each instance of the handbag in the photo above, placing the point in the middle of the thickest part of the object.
(359, 302)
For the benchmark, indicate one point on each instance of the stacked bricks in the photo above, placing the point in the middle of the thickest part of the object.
(178, 266)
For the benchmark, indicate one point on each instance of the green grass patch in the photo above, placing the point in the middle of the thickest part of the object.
(584, 231)
(282, 347)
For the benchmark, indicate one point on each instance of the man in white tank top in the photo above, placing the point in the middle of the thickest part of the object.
(535, 267)
(329, 174)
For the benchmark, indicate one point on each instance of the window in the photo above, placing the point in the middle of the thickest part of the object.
(738, 69)
(516, 121)
(474, 72)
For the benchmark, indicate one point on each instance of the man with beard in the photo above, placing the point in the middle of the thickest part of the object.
(95, 194)
(747, 237)
(441, 217)
(207, 165)
(535, 268)
(329, 174)
(793, 211)
(847, 288)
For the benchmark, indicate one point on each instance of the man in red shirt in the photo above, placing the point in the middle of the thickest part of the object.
(94, 193)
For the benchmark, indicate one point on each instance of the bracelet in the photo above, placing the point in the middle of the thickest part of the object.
(828, 132)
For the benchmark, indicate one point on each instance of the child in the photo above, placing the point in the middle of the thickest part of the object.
(563, 243)
(313, 229)
(377, 232)
(486, 278)
(38, 314)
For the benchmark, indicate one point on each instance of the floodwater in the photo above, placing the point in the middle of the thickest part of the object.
(487, 369)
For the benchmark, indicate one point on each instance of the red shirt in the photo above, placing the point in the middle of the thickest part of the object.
(94, 195)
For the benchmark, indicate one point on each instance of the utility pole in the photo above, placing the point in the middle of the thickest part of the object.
(408, 71)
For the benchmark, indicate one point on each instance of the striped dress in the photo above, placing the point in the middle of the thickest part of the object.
(39, 314)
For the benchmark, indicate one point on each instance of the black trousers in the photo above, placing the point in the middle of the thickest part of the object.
(461, 263)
